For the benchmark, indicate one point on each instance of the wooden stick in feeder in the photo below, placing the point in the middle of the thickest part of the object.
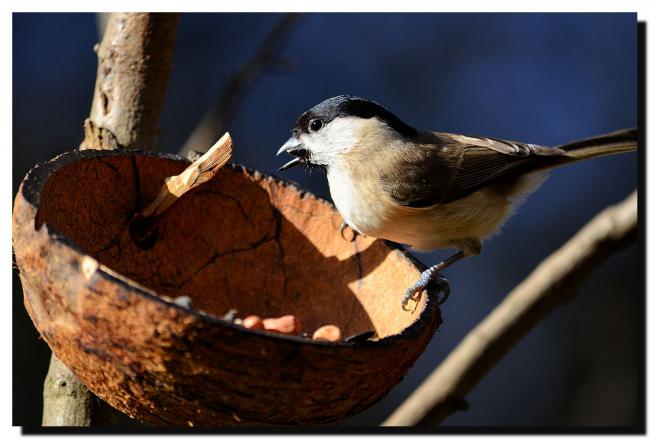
(202, 170)
(197, 173)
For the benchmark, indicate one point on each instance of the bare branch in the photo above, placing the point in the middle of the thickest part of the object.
(218, 116)
(552, 283)
(131, 83)
(67, 402)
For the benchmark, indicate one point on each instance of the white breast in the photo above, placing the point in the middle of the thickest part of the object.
(357, 210)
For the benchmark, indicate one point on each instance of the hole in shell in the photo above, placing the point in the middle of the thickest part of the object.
(144, 232)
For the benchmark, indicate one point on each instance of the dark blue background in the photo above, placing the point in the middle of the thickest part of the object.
(541, 78)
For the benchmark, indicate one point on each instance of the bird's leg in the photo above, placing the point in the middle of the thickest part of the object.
(432, 276)
(342, 229)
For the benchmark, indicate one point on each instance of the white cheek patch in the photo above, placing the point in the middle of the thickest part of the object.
(341, 135)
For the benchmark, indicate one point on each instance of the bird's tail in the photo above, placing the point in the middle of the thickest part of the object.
(607, 144)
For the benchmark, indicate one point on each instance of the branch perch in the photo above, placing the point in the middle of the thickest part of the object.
(552, 283)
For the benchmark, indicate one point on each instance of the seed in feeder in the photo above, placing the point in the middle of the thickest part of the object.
(253, 322)
(327, 333)
(288, 324)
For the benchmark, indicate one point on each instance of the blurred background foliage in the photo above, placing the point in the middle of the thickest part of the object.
(540, 78)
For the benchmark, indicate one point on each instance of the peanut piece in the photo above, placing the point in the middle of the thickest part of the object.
(288, 324)
(253, 322)
(328, 333)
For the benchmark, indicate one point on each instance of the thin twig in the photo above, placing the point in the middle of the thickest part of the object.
(552, 283)
(218, 116)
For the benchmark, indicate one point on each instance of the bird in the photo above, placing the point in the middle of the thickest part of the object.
(426, 190)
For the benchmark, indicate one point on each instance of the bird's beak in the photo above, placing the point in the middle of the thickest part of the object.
(290, 164)
(293, 147)
(290, 145)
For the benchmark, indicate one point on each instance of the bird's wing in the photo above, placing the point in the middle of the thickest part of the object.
(450, 166)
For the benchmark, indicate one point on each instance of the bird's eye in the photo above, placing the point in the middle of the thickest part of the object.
(315, 124)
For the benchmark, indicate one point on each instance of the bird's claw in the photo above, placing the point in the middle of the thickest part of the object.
(411, 294)
(343, 227)
(429, 278)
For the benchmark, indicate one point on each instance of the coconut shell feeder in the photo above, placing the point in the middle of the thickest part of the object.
(101, 293)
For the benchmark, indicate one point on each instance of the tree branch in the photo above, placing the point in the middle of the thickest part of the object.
(67, 402)
(217, 117)
(135, 58)
(552, 283)
(134, 63)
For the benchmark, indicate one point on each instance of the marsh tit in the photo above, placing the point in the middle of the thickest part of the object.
(426, 190)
